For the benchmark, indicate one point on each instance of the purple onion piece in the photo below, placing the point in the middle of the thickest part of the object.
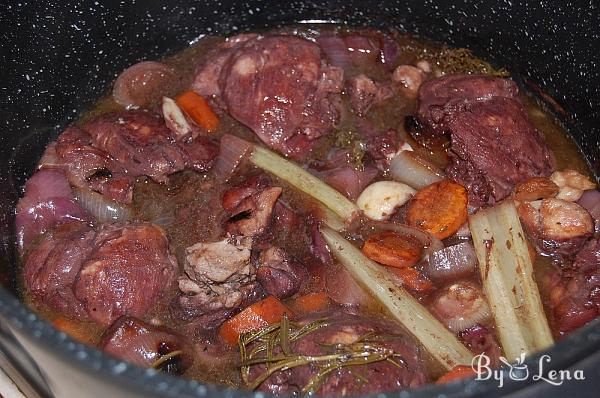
(451, 262)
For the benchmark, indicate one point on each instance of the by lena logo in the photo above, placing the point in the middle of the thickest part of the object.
(519, 371)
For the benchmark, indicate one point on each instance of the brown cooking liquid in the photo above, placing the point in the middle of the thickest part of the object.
(185, 208)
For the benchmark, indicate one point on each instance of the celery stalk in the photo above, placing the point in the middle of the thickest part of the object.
(438, 341)
(507, 275)
(304, 181)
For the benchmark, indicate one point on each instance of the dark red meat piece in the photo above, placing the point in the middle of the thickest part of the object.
(342, 328)
(88, 166)
(203, 312)
(251, 206)
(51, 268)
(494, 145)
(442, 97)
(118, 270)
(574, 293)
(206, 82)
(279, 87)
(142, 344)
(382, 148)
(364, 92)
(142, 143)
(235, 195)
(109, 152)
(481, 340)
(279, 274)
(126, 272)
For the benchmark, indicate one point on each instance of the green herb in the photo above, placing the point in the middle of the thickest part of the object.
(259, 348)
(462, 60)
(344, 138)
(348, 139)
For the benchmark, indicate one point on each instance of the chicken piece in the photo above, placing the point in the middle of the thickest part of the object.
(217, 262)
(219, 279)
(253, 215)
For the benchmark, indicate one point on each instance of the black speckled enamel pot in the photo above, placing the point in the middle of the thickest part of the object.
(57, 58)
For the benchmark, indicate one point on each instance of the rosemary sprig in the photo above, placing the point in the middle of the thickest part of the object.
(165, 358)
(260, 348)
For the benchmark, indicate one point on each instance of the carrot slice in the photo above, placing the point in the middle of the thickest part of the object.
(312, 302)
(439, 208)
(198, 109)
(457, 373)
(263, 313)
(73, 328)
(393, 249)
(413, 279)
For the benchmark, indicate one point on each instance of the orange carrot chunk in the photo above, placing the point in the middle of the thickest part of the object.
(263, 313)
(309, 303)
(439, 208)
(413, 279)
(199, 110)
(393, 249)
(457, 373)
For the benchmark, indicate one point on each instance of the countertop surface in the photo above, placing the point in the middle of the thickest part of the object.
(8, 389)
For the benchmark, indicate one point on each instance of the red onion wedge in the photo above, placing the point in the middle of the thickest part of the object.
(451, 262)
(389, 51)
(232, 152)
(40, 217)
(349, 181)
(46, 184)
(336, 51)
(140, 84)
(461, 306)
(343, 289)
(49, 159)
(590, 200)
(48, 200)
(409, 168)
(101, 208)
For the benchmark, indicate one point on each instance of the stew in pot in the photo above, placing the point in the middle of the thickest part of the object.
(313, 210)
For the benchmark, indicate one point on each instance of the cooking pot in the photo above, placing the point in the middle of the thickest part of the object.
(57, 59)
